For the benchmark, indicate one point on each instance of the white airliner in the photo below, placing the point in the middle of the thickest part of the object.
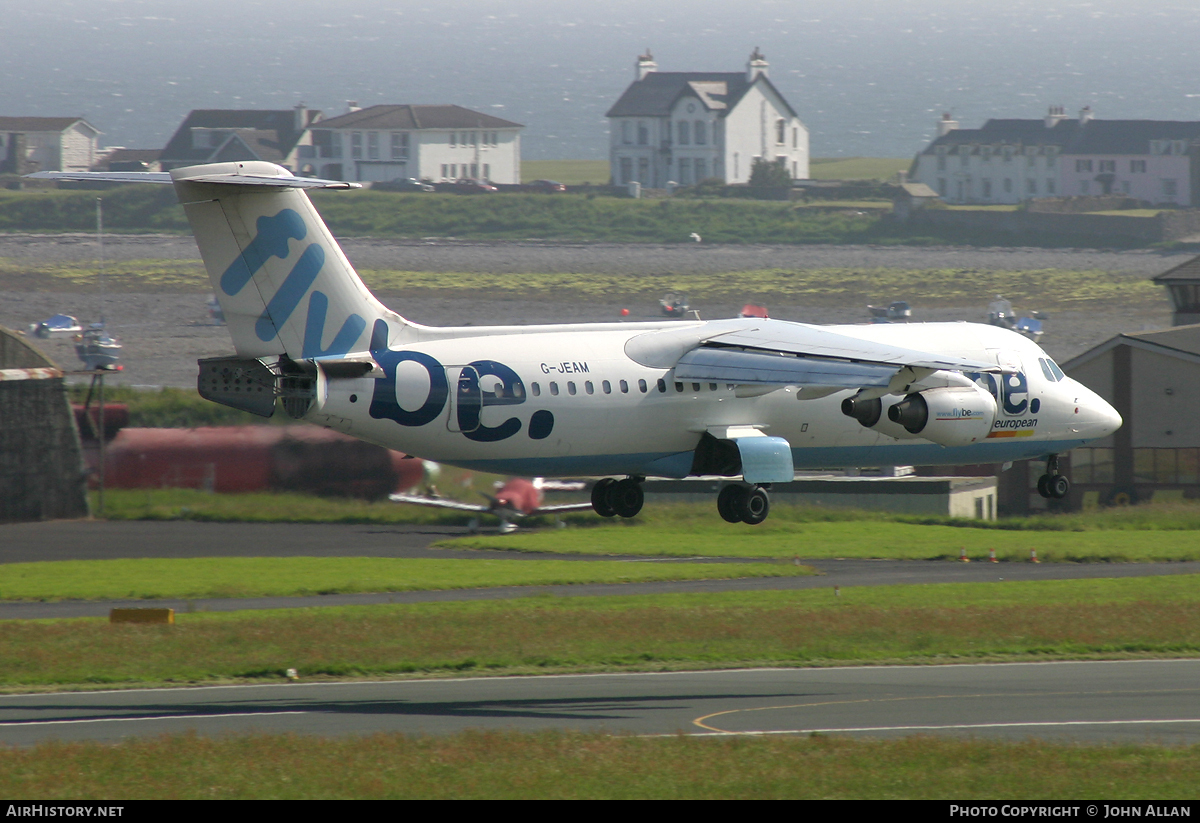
(746, 397)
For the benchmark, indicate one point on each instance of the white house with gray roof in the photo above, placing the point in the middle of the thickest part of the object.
(31, 144)
(684, 127)
(427, 142)
(1009, 161)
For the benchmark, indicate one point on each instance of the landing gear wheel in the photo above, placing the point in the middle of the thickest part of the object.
(602, 494)
(728, 503)
(627, 497)
(1059, 486)
(1043, 486)
(754, 506)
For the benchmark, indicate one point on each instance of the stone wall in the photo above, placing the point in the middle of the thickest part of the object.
(42, 474)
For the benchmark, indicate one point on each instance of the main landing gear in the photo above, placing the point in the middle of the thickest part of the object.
(612, 497)
(1052, 485)
(739, 503)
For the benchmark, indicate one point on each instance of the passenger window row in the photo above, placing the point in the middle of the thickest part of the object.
(607, 387)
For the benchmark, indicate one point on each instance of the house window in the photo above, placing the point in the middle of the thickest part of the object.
(1083, 165)
(643, 171)
(453, 139)
(372, 145)
(964, 156)
(1007, 185)
(1085, 187)
(780, 131)
(627, 132)
(701, 170)
(1031, 186)
(987, 189)
(356, 144)
(1049, 187)
(941, 164)
(399, 145)
(986, 152)
(795, 138)
(1170, 187)
(1108, 165)
(1137, 166)
(684, 131)
(626, 170)
(487, 171)
(1008, 152)
(445, 171)
(643, 134)
(700, 133)
(685, 171)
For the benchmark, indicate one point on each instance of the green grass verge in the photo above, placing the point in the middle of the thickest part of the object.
(1162, 533)
(857, 168)
(192, 578)
(570, 172)
(514, 765)
(943, 623)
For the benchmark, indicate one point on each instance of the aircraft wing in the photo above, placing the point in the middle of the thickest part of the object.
(274, 181)
(438, 503)
(563, 507)
(773, 352)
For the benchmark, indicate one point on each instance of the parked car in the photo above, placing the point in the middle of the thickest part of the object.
(466, 186)
(545, 186)
(60, 325)
(409, 184)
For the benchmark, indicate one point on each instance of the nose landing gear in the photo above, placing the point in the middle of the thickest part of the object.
(612, 497)
(1052, 485)
(739, 503)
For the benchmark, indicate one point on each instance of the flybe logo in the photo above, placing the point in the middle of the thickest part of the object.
(272, 239)
(481, 384)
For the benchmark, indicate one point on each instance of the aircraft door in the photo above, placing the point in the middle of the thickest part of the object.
(1014, 397)
(466, 400)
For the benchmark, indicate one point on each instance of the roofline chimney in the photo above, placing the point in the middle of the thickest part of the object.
(946, 125)
(645, 64)
(756, 65)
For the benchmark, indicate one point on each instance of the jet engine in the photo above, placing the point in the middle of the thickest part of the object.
(954, 416)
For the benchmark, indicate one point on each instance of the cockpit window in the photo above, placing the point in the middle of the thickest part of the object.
(1054, 368)
(1046, 370)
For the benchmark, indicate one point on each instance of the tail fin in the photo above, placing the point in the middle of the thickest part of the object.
(282, 281)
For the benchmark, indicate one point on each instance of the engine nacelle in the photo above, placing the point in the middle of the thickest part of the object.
(956, 416)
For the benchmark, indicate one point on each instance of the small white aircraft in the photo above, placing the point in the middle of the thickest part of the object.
(747, 397)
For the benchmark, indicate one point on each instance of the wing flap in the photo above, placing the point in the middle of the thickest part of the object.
(724, 365)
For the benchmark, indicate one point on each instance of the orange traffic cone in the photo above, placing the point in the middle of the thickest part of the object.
(992, 556)
(962, 554)
(1033, 556)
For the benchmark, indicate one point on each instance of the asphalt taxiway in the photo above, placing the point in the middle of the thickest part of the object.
(1123, 701)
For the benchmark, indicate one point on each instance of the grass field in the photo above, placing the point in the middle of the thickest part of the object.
(578, 765)
(943, 623)
(192, 578)
(856, 168)
(570, 172)
(778, 538)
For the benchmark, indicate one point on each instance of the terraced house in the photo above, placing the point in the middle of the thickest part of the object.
(1010, 161)
(684, 127)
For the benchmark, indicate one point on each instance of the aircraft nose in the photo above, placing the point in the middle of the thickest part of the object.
(1097, 417)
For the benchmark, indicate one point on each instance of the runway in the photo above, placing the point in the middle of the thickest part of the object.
(1123, 701)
